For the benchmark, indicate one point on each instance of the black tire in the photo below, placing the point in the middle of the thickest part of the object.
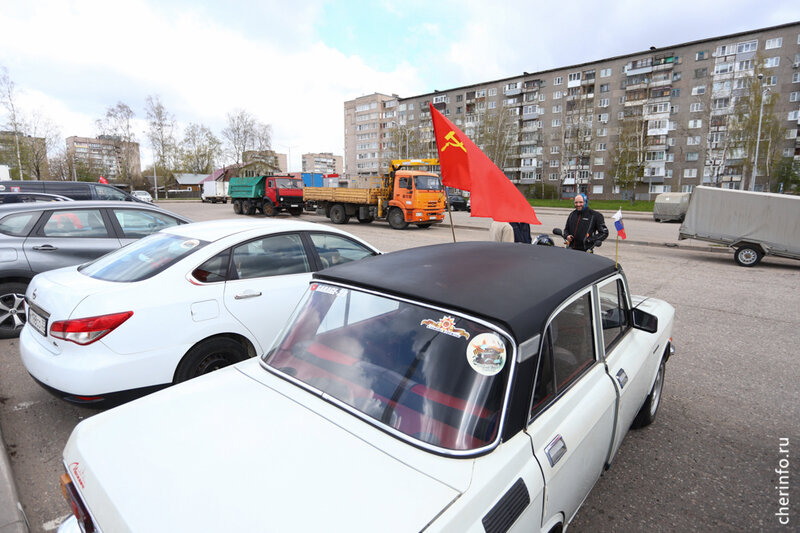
(425, 225)
(237, 207)
(224, 200)
(248, 207)
(339, 215)
(649, 409)
(269, 209)
(295, 211)
(366, 220)
(747, 256)
(208, 356)
(12, 312)
(396, 219)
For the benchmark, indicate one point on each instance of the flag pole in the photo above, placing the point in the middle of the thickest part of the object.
(450, 216)
(616, 254)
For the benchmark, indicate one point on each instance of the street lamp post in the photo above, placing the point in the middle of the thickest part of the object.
(764, 92)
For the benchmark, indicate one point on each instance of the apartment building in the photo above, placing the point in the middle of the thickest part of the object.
(106, 156)
(674, 110)
(325, 163)
(369, 125)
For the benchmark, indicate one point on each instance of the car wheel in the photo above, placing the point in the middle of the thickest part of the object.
(747, 256)
(396, 219)
(208, 356)
(649, 408)
(237, 207)
(248, 208)
(269, 209)
(339, 215)
(12, 312)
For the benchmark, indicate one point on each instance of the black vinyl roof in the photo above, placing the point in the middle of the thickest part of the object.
(518, 285)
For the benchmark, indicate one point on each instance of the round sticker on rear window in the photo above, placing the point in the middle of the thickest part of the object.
(191, 243)
(486, 354)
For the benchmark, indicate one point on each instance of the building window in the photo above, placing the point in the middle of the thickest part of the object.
(601, 147)
(597, 189)
(772, 62)
(676, 76)
(458, 110)
(599, 161)
(602, 118)
(558, 80)
(553, 163)
(554, 149)
(603, 102)
(770, 81)
(774, 43)
(602, 132)
(605, 72)
(723, 68)
(557, 95)
(693, 141)
(675, 93)
(553, 176)
(796, 77)
(604, 88)
(794, 96)
(692, 156)
(492, 105)
(556, 122)
(690, 173)
(748, 46)
(557, 108)
(698, 90)
(725, 49)
(793, 115)
(700, 72)
(599, 175)
(574, 76)
(700, 56)
(744, 65)
(493, 91)
(687, 188)
(695, 123)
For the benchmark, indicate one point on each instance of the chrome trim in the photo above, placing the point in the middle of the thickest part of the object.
(560, 449)
(529, 348)
(388, 429)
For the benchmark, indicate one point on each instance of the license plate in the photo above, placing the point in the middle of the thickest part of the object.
(432, 217)
(37, 321)
(294, 205)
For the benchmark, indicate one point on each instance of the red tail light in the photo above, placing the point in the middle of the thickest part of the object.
(85, 331)
(70, 493)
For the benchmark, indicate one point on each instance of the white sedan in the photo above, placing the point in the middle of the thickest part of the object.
(465, 387)
(180, 303)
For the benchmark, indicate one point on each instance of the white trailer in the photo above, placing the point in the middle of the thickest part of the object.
(215, 191)
(754, 224)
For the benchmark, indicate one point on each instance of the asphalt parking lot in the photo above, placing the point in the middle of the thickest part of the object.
(730, 408)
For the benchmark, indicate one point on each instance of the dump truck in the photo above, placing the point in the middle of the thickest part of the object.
(215, 191)
(754, 224)
(403, 197)
(269, 195)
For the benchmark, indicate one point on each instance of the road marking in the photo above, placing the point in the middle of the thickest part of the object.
(23, 405)
(53, 524)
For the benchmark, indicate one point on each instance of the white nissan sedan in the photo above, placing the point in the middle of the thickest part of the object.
(465, 387)
(172, 306)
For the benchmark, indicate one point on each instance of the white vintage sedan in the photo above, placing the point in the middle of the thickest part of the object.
(172, 306)
(464, 387)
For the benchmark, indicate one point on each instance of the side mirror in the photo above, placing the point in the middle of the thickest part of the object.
(557, 231)
(644, 320)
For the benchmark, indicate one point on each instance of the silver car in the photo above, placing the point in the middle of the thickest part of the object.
(35, 237)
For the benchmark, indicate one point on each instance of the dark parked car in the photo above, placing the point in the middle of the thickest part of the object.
(22, 197)
(457, 202)
(77, 190)
(40, 236)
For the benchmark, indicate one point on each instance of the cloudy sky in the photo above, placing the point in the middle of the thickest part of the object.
(293, 64)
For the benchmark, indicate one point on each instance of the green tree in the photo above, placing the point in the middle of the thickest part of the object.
(786, 175)
(629, 153)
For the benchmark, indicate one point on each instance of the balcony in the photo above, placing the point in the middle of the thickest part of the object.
(512, 92)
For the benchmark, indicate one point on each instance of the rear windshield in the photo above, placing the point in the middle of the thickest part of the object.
(422, 373)
(143, 258)
(288, 183)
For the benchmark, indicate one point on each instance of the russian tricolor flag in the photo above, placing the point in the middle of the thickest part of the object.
(618, 224)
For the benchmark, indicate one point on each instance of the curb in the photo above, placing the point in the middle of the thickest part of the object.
(12, 517)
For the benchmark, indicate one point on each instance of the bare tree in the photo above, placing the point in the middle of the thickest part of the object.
(9, 100)
(42, 138)
(161, 134)
(117, 125)
(629, 153)
(240, 134)
(495, 133)
(200, 149)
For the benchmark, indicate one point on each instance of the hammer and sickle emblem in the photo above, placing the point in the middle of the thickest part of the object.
(452, 141)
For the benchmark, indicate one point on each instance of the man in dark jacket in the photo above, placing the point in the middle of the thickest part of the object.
(585, 227)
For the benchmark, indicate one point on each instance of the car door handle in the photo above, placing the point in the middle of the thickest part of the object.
(246, 295)
(45, 248)
(555, 450)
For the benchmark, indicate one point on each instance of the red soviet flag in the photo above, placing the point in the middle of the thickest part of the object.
(465, 167)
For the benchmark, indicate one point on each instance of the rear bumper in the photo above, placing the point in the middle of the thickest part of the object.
(104, 401)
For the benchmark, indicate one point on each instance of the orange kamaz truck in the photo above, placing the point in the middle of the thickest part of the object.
(408, 195)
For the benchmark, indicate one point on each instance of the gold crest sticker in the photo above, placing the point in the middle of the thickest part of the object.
(445, 325)
(486, 354)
